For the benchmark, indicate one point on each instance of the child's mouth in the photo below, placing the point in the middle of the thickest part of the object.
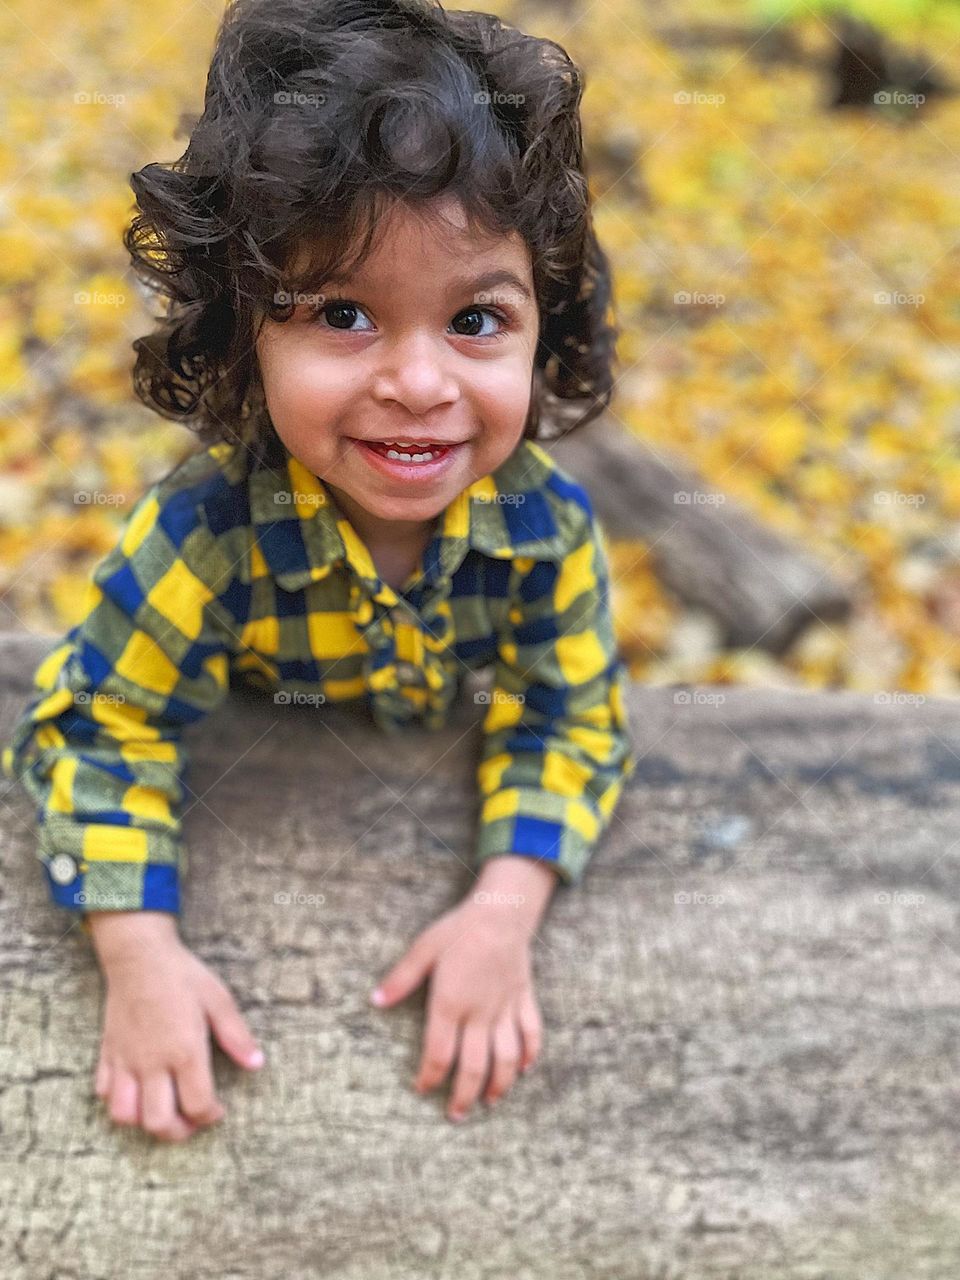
(405, 458)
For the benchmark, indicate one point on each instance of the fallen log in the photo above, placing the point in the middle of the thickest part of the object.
(750, 1010)
(761, 587)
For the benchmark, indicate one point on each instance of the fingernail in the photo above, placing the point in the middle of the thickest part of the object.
(256, 1058)
(456, 1116)
(378, 997)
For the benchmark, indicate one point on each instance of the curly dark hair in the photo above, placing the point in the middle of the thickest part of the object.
(318, 115)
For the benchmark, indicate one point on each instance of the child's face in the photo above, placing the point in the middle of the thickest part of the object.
(416, 346)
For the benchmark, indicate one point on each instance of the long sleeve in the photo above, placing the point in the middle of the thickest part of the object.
(556, 749)
(98, 746)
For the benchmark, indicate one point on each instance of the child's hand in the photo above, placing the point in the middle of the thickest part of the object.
(155, 1065)
(481, 990)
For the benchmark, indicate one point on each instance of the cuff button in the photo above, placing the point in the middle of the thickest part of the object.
(63, 869)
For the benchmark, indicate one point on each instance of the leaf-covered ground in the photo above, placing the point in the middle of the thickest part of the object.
(787, 281)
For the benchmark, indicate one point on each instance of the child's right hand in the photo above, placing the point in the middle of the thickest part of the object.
(155, 1066)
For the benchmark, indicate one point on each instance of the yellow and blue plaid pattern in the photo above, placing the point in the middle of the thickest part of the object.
(229, 572)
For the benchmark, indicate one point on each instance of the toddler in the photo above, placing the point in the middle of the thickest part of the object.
(377, 261)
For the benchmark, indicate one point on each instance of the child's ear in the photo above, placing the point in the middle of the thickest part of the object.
(578, 344)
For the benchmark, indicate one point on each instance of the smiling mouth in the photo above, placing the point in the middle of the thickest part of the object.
(413, 452)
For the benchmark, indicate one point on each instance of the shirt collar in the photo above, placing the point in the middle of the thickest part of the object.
(302, 533)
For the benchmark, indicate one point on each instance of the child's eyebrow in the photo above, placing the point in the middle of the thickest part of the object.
(489, 280)
(459, 286)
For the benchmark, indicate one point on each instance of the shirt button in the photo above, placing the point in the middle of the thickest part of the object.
(408, 672)
(63, 869)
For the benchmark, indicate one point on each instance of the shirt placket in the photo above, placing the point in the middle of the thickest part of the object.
(399, 655)
(374, 607)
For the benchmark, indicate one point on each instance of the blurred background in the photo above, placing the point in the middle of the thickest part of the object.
(778, 187)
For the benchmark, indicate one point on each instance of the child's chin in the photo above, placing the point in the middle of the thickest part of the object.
(404, 508)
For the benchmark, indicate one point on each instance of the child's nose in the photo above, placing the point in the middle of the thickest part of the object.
(416, 373)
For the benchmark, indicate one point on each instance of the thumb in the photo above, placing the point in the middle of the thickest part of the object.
(231, 1031)
(405, 976)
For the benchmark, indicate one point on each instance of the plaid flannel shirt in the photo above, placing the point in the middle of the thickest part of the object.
(229, 571)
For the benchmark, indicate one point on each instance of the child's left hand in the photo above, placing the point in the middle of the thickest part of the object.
(481, 993)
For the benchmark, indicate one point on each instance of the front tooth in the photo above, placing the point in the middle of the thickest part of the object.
(409, 457)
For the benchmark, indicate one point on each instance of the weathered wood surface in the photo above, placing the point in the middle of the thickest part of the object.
(756, 1081)
(762, 588)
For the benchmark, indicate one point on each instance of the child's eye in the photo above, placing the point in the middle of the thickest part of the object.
(340, 315)
(482, 312)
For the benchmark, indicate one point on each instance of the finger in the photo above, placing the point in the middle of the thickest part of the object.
(439, 1051)
(198, 1101)
(472, 1069)
(158, 1108)
(230, 1030)
(531, 1030)
(101, 1081)
(506, 1057)
(124, 1100)
(406, 975)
